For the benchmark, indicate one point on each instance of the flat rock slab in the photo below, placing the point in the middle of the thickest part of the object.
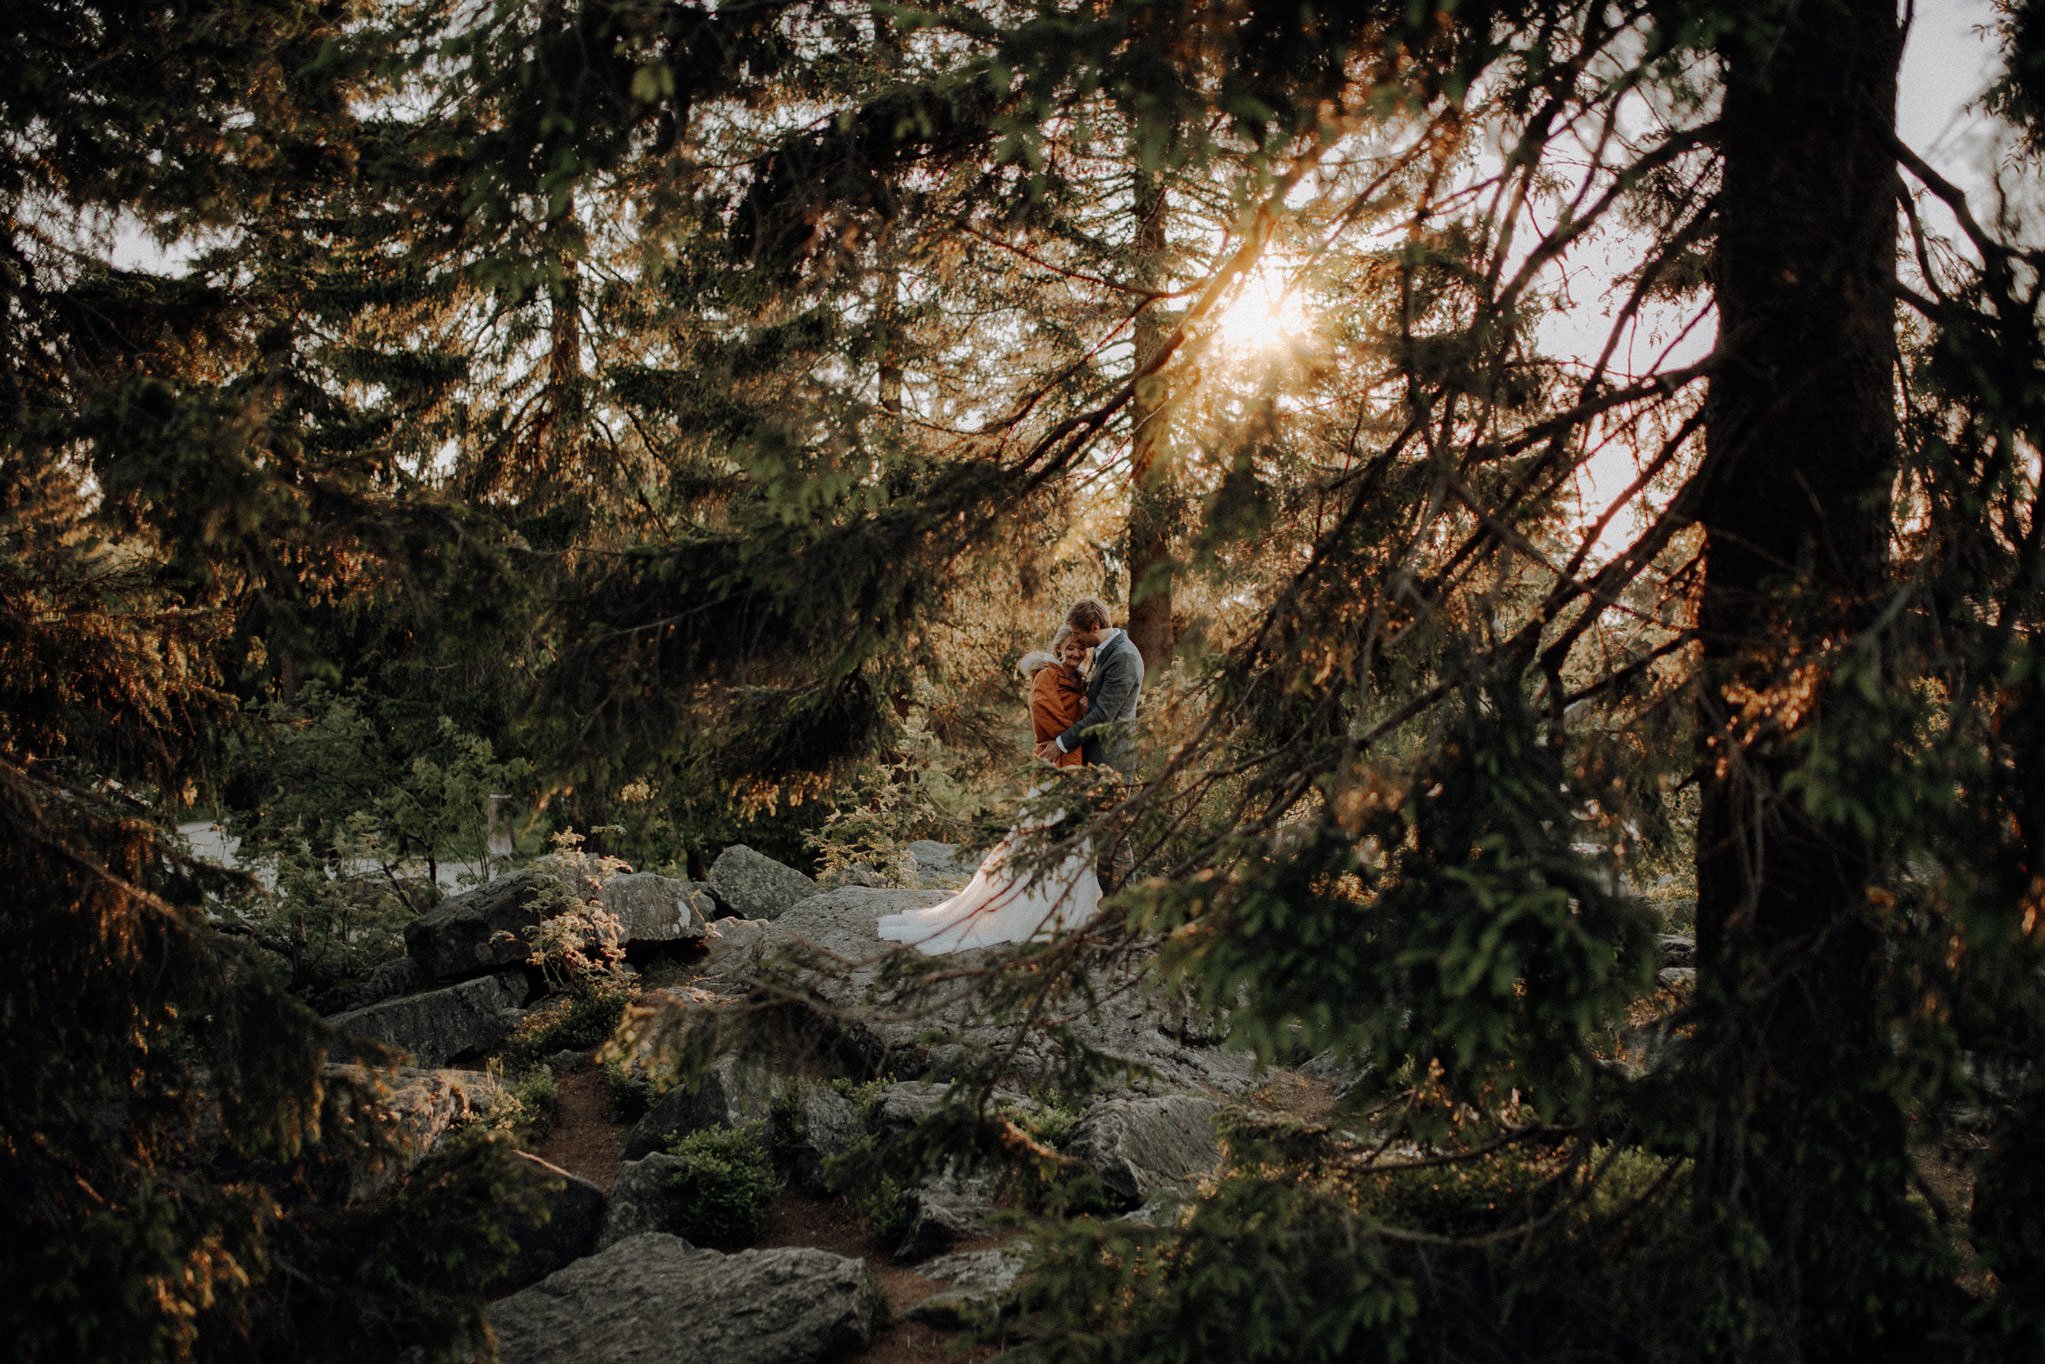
(440, 1025)
(975, 1283)
(655, 1299)
(752, 885)
(653, 909)
(934, 1028)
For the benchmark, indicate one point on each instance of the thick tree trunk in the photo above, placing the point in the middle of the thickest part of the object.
(1151, 480)
(1802, 1144)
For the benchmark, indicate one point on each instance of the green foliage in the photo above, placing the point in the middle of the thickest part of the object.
(407, 1270)
(1306, 1250)
(581, 1019)
(355, 813)
(699, 399)
(1029, 1145)
(578, 943)
(875, 1175)
(725, 1183)
(1492, 949)
(523, 1112)
(630, 1090)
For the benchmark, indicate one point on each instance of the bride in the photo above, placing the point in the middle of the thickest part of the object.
(1005, 904)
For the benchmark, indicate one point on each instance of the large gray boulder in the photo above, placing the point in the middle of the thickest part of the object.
(752, 885)
(732, 1091)
(937, 1206)
(1141, 1147)
(1676, 949)
(480, 930)
(975, 1283)
(412, 1109)
(563, 1229)
(826, 947)
(656, 910)
(440, 1025)
(942, 1209)
(733, 953)
(644, 1198)
(490, 928)
(655, 1299)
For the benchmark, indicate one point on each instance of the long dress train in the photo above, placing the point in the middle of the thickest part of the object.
(1002, 904)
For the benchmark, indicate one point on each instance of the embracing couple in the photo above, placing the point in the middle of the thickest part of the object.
(1083, 696)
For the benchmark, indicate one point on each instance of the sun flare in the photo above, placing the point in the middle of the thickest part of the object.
(1265, 315)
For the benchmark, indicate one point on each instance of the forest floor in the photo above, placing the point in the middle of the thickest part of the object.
(588, 1139)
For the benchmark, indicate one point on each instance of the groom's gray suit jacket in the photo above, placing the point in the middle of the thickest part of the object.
(1104, 734)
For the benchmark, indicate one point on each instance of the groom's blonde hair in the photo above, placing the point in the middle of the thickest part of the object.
(1088, 613)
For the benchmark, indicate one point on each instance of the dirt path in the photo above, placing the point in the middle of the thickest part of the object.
(586, 1138)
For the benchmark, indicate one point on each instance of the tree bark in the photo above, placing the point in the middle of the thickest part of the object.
(1151, 478)
(1801, 1142)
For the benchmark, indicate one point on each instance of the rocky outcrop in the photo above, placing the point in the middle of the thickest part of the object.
(818, 1124)
(734, 951)
(440, 1025)
(413, 1109)
(1141, 1147)
(732, 1091)
(826, 945)
(942, 1209)
(480, 930)
(490, 928)
(941, 865)
(752, 885)
(562, 1230)
(654, 1298)
(655, 911)
(975, 1283)
(644, 1198)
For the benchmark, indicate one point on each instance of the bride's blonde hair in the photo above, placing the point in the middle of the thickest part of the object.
(1038, 659)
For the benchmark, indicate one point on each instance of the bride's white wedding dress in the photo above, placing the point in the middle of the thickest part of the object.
(1002, 904)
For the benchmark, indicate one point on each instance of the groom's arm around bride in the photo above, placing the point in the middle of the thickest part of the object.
(1113, 689)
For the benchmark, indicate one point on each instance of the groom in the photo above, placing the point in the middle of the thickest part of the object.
(1103, 733)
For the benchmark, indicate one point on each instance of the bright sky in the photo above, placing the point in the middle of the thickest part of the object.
(1949, 58)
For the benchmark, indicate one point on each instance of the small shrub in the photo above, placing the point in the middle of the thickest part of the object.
(866, 1174)
(594, 1005)
(631, 1092)
(881, 1200)
(725, 1183)
(1035, 1171)
(522, 1114)
(1466, 1197)
(538, 1097)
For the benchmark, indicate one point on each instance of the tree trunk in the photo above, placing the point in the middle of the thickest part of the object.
(890, 315)
(1151, 492)
(1801, 1143)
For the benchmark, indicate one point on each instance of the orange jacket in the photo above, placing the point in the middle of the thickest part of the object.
(1057, 700)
